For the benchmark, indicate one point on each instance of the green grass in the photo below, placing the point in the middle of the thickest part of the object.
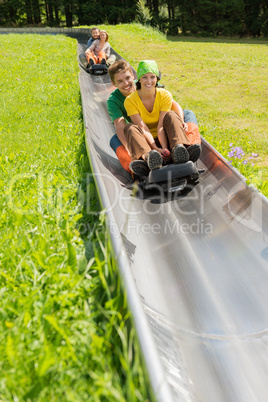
(65, 330)
(224, 81)
(66, 333)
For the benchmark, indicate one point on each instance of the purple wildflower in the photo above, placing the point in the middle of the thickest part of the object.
(239, 152)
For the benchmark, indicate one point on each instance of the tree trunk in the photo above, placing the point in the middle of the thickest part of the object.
(36, 11)
(28, 10)
(57, 19)
(51, 16)
(68, 15)
(156, 7)
(169, 9)
(49, 12)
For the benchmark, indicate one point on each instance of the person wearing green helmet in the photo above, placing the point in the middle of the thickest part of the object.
(155, 128)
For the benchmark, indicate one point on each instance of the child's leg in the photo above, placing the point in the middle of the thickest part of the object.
(121, 152)
(192, 133)
(173, 126)
(102, 55)
(136, 142)
(111, 60)
(91, 55)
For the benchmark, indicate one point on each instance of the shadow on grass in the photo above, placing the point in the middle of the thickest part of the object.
(241, 41)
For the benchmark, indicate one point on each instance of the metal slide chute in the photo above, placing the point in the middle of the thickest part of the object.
(198, 262)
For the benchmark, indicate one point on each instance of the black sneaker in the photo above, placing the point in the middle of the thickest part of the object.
(103, 61)
(90, 63)
(154, 160)
(194, 152)
(139, 168)
(180, 154)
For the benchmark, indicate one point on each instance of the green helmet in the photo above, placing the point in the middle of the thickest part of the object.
(147, 66)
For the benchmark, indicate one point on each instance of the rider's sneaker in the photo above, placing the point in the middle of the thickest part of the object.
(154, 160)
(180, 154)
(103, 61)
(194, 152)
(139, 168)
(90, 63)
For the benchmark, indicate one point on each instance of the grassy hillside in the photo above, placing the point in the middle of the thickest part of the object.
(65, 329)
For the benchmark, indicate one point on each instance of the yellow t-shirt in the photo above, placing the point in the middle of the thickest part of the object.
(162, 103)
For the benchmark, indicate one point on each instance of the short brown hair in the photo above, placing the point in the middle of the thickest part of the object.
(118, 67)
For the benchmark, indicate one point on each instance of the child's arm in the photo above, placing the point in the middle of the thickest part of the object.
(178, 109)
(160, 131)
(93, 45)
(108, 50)
(119, 126)
(89, 42)
(136, 119)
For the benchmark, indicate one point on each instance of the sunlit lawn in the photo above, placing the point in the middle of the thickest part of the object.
(65, 329)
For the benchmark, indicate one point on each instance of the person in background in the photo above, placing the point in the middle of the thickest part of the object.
(99, 51)
(95, 34)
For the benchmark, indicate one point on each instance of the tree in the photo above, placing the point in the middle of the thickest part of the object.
(68, 10)
(144, 15)
(195, 17)
(36, 11)
(10, 11)
(254, 10)
(49, 12)
(211, 17)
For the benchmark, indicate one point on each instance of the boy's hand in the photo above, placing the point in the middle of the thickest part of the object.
(166, 154)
